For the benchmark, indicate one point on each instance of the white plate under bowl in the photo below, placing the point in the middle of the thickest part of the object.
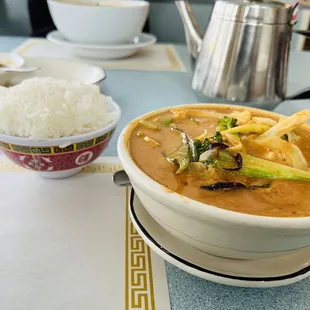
(262, 273)
(60, 69)
(103, 51)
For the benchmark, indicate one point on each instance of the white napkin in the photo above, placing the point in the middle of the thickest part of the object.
(63, 245)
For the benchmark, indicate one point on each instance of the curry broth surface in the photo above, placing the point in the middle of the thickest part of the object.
(282, 199)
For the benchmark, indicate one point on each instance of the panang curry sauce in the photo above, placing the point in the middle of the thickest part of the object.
(233, 158)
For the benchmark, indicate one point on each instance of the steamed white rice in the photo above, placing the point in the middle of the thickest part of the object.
(44, 108)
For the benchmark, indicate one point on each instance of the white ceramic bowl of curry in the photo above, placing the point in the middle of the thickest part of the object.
(263, 217)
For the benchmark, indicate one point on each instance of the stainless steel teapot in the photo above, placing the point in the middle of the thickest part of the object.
(243, 56)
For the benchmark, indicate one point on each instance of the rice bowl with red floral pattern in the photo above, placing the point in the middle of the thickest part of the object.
(95, 117)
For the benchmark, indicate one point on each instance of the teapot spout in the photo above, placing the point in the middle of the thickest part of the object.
(192, 30)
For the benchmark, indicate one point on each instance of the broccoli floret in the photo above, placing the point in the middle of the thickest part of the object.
(226, 123)
(205, 143)
(218, 137)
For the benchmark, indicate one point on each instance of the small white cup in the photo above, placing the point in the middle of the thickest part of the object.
(99, 22)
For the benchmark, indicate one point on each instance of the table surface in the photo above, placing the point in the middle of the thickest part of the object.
(138, 92)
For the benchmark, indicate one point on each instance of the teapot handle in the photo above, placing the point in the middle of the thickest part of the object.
(300, 95)
(304, 93)
(193, 32)
(305, 33)
(293, 22)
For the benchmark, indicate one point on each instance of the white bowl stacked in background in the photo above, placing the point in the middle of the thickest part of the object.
(99, 22)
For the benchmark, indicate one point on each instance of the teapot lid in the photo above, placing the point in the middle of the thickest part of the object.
(255, 11)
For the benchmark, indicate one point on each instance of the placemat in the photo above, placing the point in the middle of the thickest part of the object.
(158, 57)
(69, 244)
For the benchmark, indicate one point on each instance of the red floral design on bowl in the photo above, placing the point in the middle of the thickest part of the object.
(46, 160)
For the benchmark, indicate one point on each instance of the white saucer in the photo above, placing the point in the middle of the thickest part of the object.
(270, 272)
(103, 51)
(60, 69)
